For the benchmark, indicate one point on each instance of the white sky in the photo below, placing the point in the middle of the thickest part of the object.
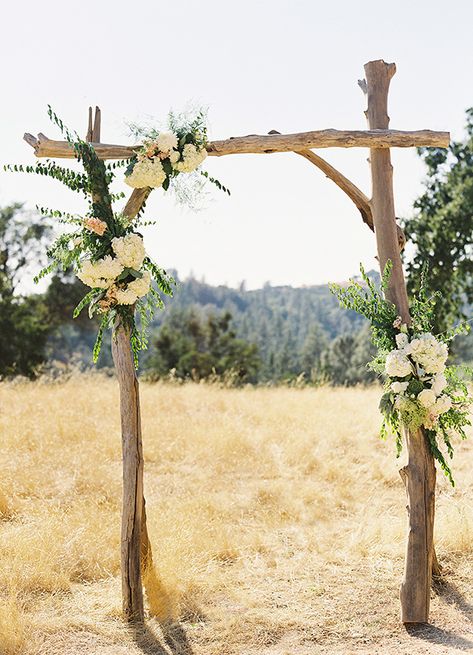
(290, 65)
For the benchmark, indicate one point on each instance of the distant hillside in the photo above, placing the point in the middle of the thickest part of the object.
(296, 329)
(290, 325)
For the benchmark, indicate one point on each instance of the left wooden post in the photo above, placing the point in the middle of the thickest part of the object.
(132, 451)
(133, 516)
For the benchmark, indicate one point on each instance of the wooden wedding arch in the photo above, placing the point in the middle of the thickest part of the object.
(379, 214)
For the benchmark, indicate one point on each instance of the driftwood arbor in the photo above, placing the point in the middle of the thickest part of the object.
(378, 213)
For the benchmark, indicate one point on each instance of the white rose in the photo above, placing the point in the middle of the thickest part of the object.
(439, 383)
(402, 340)
(399, 387)
(397, 365)
(166, 141)
(427, 398)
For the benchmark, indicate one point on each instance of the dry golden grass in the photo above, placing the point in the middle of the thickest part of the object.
(276, 517)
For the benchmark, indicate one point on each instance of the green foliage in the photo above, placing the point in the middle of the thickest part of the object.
(24, 323)
(72, 180)
(441, 229)
(198, 347)
(369, 301)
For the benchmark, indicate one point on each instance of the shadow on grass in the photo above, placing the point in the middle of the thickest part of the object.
(150, 642)
(435, 635)
(451, 595)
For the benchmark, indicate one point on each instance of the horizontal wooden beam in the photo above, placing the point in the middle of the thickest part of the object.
(255, 143)
(328, 139)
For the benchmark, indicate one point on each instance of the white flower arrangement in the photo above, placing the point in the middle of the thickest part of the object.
(158, 161)
(107, 273)
(421, 391)
(422, 361)
(104, 248)
(166, 154)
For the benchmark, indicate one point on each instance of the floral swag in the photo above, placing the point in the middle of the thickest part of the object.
(420, 390)
(106, 249)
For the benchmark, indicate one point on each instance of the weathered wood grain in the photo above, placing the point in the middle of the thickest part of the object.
(265, 144)
(136, 200)
(132, 453)
(136, 552)
(419, 474)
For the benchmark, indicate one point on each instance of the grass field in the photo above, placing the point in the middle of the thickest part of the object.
(276, 516)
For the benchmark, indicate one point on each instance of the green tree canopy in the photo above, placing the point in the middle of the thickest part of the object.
(24, 324)
(197, 346)
(441, 228)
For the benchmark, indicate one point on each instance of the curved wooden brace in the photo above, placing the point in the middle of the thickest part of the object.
(355, 194)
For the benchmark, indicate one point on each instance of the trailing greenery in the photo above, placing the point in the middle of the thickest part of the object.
(92, 242)
(420, 390)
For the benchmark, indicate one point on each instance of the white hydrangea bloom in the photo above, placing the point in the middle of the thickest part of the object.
(133, 290)
(130, 250)
(174, 156)
(191, 158)
(101, 273)
(125, 296)
(141, 285)
(146, 172)
(427, 398)
(402, 340)
(399, 387)
(397, 365)
(439, 383)
(166, 141)
(429, 353)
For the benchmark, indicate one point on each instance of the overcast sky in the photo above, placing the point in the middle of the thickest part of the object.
(290, 65)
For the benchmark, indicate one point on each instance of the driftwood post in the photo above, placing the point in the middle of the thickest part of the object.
(136, 553)
(419, 474)
(378, 213)
(132, 509)
(133, 529)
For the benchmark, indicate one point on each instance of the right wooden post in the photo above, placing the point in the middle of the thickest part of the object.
(419, 474)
